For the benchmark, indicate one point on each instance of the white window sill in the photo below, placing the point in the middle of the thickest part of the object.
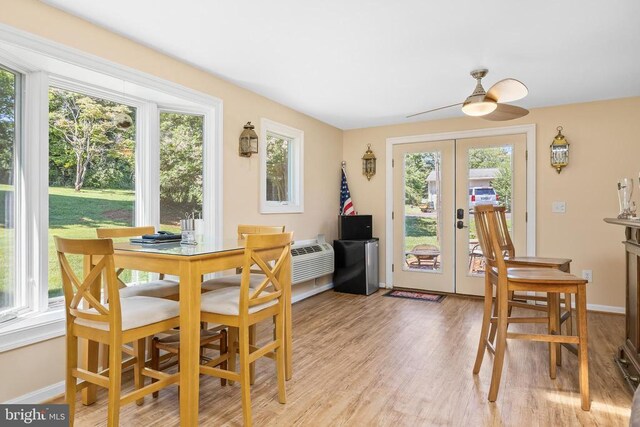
(32, 329)
(276, 208)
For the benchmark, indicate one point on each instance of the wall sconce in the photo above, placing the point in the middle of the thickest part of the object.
(369, 163)
(248, 141)
(559, 151)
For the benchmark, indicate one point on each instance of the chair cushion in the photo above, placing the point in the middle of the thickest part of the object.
(227, 301)
(137, 312)
(157, 288)
(232, 280)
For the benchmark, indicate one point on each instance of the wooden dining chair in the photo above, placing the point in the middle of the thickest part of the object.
(242, 307)
(508, 280)
(255, 279)
(161, 288)
(122, 320)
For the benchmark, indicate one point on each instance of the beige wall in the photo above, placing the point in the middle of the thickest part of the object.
(323, 151)
(605, 146)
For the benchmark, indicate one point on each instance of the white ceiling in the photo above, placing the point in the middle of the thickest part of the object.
(365, 63)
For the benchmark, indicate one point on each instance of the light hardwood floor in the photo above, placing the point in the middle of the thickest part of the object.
(380, 361)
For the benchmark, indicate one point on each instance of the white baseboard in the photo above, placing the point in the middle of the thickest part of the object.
(605, 308)
(316, 290)
(383, 285)
(41, 395)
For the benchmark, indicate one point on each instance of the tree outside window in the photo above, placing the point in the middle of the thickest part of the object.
(277, 168)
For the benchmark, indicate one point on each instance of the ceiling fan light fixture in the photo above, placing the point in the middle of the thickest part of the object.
(491, 105)
(479, 108)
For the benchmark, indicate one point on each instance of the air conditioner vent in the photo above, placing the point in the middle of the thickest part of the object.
(311, 261)
(306, 250)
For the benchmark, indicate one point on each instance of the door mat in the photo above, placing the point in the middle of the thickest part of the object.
(423, 296)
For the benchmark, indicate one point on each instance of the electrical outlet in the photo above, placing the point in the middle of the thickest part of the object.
(558, 207)
(588, 275)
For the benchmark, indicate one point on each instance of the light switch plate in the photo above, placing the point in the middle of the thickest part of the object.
(558, 207)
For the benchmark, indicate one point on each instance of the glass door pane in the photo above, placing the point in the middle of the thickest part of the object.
(489, 171)
(422, 211)
(489, 177)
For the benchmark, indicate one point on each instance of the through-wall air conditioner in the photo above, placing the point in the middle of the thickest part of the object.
(311, 260)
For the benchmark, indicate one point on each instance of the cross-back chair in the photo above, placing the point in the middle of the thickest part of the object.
(234, 279)
(242, 307)
(491, 235)
(254, 280)
(119, 321)
(161, 288)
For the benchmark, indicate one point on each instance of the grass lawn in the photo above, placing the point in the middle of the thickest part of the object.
(75, 215)
(421, 230)
(6, 245)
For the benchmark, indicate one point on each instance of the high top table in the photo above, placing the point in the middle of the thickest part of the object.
(189, 263)
(628, 356)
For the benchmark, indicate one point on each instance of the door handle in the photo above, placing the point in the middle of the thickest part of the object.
(460, 225)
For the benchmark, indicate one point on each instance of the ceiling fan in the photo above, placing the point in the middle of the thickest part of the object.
(491, 105)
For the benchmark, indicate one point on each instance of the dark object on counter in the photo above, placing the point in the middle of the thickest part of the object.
(355, 227)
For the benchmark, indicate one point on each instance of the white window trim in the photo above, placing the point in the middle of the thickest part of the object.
(42, 323)
(296, 170)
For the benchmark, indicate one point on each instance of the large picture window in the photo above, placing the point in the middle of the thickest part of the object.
(91, 170)
(281, 176)
(86, 144)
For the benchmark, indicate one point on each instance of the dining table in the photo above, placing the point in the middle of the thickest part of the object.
(190, 263)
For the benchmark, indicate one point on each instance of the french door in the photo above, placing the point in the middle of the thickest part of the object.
(436, 186)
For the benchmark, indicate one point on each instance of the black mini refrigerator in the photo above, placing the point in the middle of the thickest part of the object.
(356, 266)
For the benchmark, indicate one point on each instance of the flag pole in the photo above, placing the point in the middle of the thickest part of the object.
(344, 171)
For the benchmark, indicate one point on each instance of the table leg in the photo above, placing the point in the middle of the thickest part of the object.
(89, 349)
(288, 337)
(552, 312)
(189, 343)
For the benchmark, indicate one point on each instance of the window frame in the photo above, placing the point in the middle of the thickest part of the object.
(296, 168)
(39, 63)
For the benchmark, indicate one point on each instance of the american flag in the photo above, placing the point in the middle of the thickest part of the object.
(346, 206)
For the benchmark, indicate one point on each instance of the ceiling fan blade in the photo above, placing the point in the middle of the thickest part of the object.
(506, 112)
(435, 109)
(508, 90)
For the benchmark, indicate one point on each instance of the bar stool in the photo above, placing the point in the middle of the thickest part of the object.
(513, 261)
(547, 280)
